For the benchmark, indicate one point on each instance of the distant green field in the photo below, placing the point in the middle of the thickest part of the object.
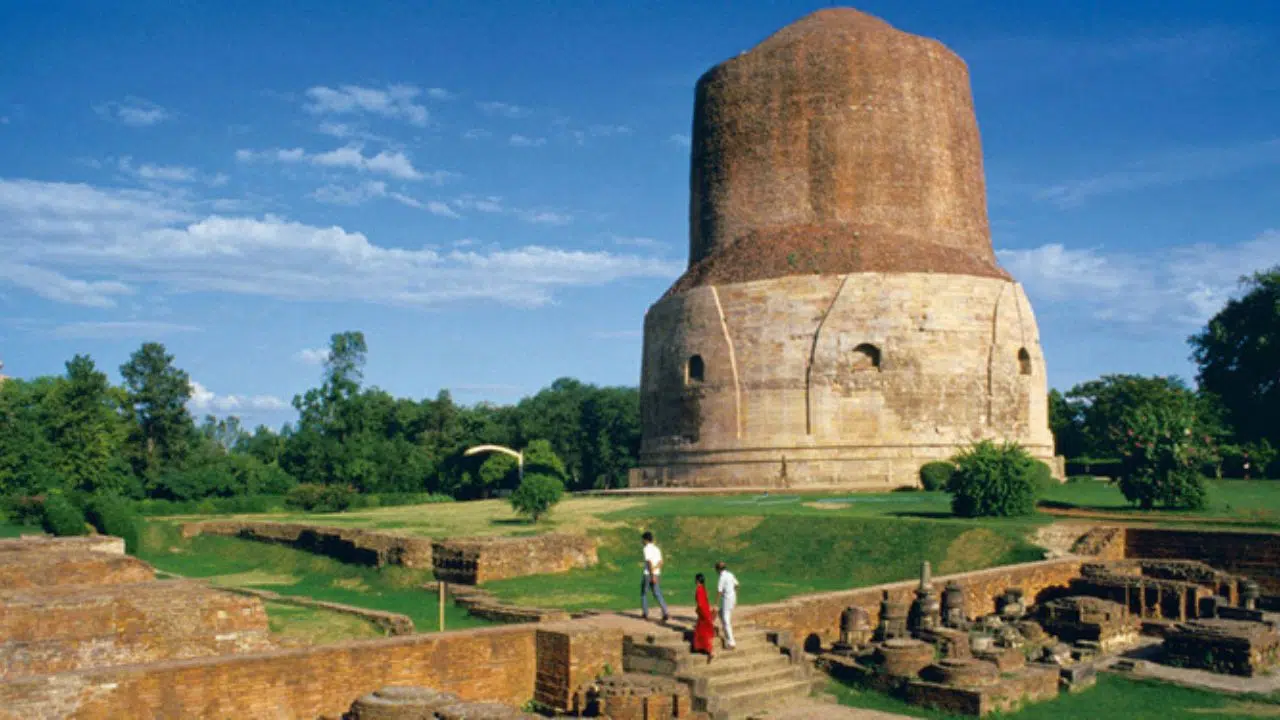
(1113, 697)
(1251, 502)
(11, 531)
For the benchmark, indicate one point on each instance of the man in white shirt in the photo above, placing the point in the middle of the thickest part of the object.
(652, 575)
(726, 598)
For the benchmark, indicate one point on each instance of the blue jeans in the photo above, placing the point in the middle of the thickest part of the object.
(647, 585)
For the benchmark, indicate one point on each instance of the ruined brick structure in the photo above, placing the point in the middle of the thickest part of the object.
(843, 319)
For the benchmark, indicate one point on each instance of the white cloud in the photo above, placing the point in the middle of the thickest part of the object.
(394, 164)
(395, 101)
(440, 94)
(1172, 168)
(354, 195)
(1183, 285)
(313, 356)
(120, 329)
(680, 139)
(502, 109)
(204, 400)
(525, 141)
(134, 112)
(162, 173)
(435, 207)
(490, 204)
(608, 130)
(545, 217)
(476, 134)
(87, 245)
(640, 242)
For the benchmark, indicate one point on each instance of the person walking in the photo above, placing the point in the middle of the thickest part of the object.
(651, 581)
(726, 599)
(704, 630)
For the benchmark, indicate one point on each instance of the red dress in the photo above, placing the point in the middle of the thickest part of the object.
(704, 632)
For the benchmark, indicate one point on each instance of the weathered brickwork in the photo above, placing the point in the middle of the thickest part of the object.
(43, 567)
(487, 664)
(814, 618)
(843, 319)
(472, 561)
(571, 655)
(1252, 554)
(352, 545)
(45, 544)
(54, 629)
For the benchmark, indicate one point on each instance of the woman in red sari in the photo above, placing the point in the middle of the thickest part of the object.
(704, 631)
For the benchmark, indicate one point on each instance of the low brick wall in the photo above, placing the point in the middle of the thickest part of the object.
(54, 629)
(571, 655)
(485, 664)
(472, 561)
(814, 619)
(389, 622)
(46, 544)
(352, 545)
(1253, 554)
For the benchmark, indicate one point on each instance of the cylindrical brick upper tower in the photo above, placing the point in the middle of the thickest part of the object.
(843, 318)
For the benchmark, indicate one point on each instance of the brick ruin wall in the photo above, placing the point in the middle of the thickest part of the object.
(837, 381)
(478, 560)
(353, 545)
(467, 561)
(1252, 554)
(486, 664)
(54, 629)
(47, 568)
(816, 618)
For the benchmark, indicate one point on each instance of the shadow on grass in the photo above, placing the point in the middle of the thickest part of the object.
(926, 515)
(511, 521)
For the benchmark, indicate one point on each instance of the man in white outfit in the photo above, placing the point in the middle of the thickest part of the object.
(727, 598)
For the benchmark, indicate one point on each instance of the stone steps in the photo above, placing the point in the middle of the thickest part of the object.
(754, 677)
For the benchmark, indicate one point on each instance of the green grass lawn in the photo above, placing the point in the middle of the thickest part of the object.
(1245, 502)
(245, 563)
(13, 531)
(1113, 697)
(312, 626)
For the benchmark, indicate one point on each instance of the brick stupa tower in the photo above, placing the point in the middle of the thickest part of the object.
(843, 319)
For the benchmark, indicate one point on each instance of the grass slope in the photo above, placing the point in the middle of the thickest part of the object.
(1236, 502)
(245, 563)
(1113, 697)
(312, 626)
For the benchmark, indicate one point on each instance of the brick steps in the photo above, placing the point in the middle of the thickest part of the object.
(756, 676)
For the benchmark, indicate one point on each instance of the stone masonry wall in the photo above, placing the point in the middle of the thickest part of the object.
(572, 654)
(486, 664)
(352, 545)
(472, 561)
(54, 629)
(1252, 554)
(791, 394)
(814, 618)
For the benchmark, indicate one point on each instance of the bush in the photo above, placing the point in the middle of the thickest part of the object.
(62, 518)
(1080, 479)
(995, 481)
(113, 515)
(23, 509)
(536, 495)
(312, 497)
(1163, 456)
(936, 475)
(221, 506)
(1042, 477)
(1098, 467)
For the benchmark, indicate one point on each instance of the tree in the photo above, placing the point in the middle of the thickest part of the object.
(498, 472)
(1067, 424)
(28, 459)
(158, 395)
(88, 432)
(1101, 406)
(1238, 354)
(536, 495)
(1163, 454)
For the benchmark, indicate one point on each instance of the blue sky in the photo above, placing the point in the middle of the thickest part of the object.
(495, 191)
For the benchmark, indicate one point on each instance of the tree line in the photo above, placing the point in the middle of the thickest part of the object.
(79, 433)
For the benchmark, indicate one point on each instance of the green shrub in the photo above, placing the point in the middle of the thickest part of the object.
(1080, 479)
(1163, 456)
(62, 518)
(536, 495)
(991, 480)
(1042, 477)
(23, 509)
(113, 515)
(936, 475)
(1098, 467)
(312, 497)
